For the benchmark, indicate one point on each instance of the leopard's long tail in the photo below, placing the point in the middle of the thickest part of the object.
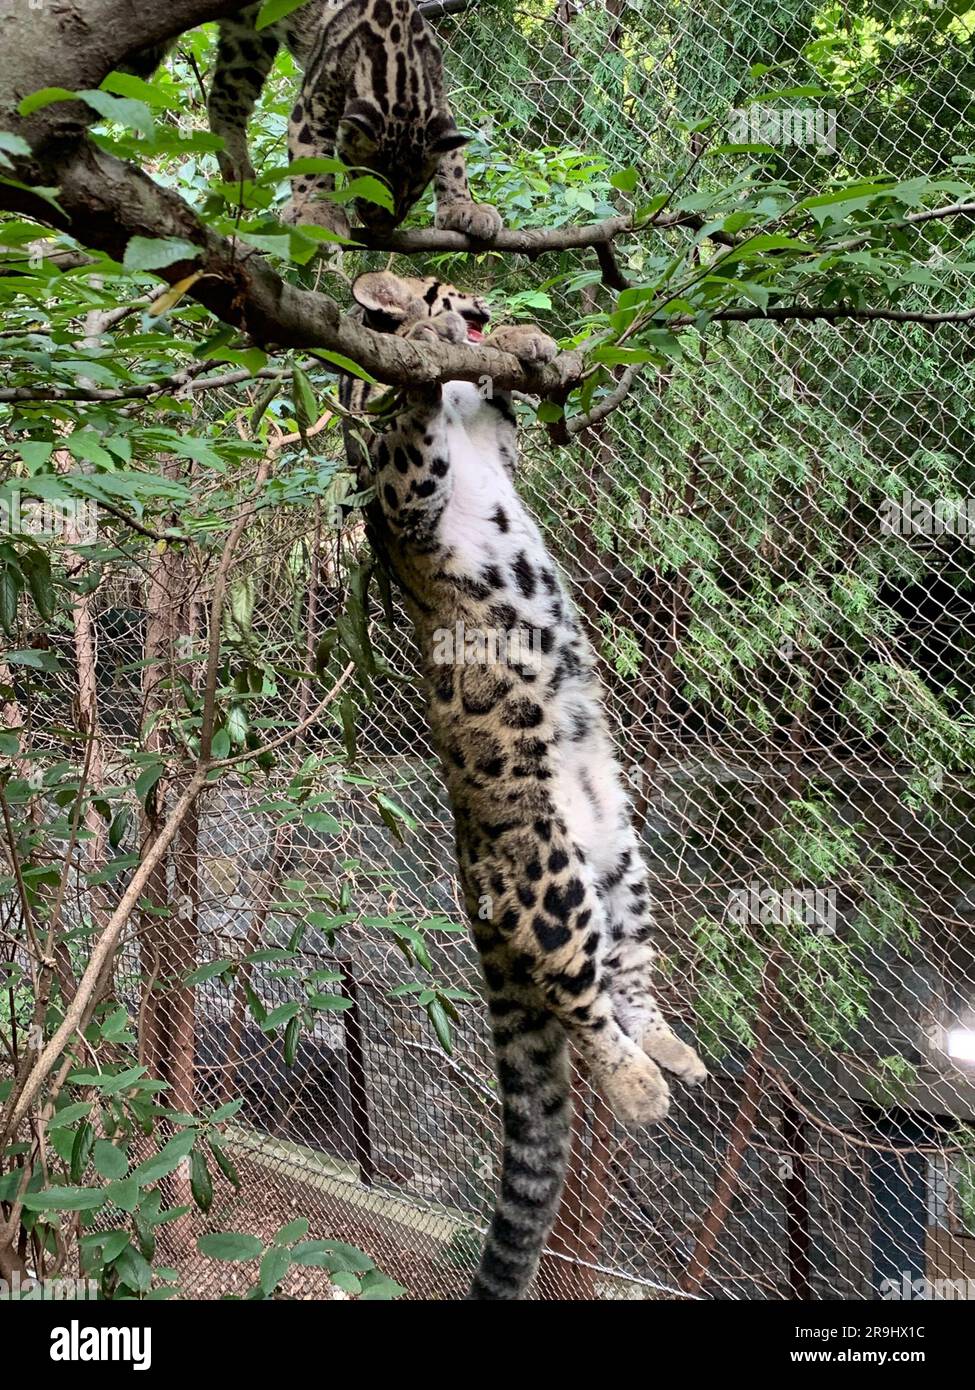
(534, 1078)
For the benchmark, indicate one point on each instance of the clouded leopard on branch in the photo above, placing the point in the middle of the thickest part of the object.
(549, 861)
(372, 94)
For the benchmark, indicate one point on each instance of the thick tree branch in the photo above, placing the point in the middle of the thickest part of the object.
(105, 202)
(535, 241)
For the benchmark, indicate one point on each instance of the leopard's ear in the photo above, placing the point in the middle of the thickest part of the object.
(443, 135)
(384, 293)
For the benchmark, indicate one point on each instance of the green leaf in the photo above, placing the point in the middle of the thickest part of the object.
(280, 1015)
(86, 446)
(224, 1164)
(441, 1025)
(36, 660)
(394, 814)
(230, 1245)
(146, 780)
(331, 1254)
(207, 972)
(12, 144)
(625, 180)
(36, 567)
(292, 1036)
(115, 1026)
(113, 869)
(126, 84)
(69, 1114)
(220, 748)
(201, 1184)
(134, 1269)
(225, 1111)
(109, 1161)
(11, 584)
(167, 1160)
(153, 253)
(306, 406)
(293, 1231)
(274, 1266)
(345, 364)
(765, 241)
(35, 453)
(45, 96)
(124, 1195)
(331, 1003)
(113, 1245)
(379, 1287)
(118, 827)
(368, 188)
(124, 111)
(65, 1199)
(273, 10)
(81, 1150)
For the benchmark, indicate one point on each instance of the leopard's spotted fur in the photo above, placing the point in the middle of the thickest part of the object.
(372, 94)
(549, 862)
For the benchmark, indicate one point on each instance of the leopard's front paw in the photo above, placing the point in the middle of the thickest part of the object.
(634, 1089)
(524, 341)
(445, 328)
(477, 220)
(316, 213)
(667, 1050)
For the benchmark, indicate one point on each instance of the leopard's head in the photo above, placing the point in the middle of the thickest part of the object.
(402, 152)
(392, 303)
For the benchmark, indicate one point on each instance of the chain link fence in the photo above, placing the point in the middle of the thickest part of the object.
(771, 553)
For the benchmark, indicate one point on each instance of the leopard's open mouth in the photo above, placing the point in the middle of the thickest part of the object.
(474, 334)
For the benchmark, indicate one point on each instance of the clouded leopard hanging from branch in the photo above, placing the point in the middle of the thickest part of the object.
(548, 857)
(372, 95)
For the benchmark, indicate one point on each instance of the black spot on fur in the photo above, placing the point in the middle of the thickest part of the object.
(508, 922)
(560, 902)
(524, 575)
(496, 829)
(494, 976)
(492, 767)
(578, 983)
(550, 935)
(523, 714)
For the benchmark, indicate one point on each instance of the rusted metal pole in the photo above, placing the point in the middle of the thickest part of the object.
(742, 1128)
(566, 1272)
